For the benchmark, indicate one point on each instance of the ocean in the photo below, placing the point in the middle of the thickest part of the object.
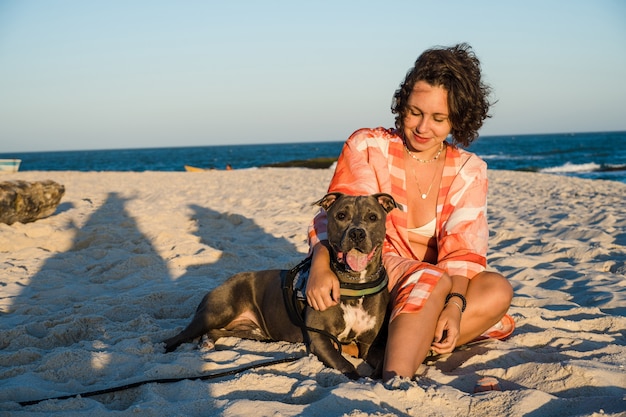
(585, 155)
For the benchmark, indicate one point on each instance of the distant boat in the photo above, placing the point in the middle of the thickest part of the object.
(190, 168)
(9, 165)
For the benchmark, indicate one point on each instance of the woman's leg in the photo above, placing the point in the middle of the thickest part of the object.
(411, 334)
(488, 296)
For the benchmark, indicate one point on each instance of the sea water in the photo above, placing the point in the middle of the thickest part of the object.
(586, 155)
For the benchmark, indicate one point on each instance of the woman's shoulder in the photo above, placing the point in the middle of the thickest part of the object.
(373, 137)
(374, 132)
(465, 159)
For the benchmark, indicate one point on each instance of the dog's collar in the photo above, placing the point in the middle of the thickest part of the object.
(362, 289)
(296, 278)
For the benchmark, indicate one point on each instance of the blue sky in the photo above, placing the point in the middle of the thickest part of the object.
(134, 74)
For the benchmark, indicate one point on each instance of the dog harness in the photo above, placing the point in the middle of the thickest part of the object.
(346, 289)
(294, 287)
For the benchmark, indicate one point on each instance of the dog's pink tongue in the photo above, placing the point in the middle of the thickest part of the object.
(357, 261)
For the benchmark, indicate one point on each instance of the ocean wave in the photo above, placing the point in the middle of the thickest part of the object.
(569, 167)
(614, 167)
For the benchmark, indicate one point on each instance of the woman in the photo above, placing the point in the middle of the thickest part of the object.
(436, 244)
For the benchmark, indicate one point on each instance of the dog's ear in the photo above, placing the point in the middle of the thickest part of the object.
(328, 200)
(386, 201)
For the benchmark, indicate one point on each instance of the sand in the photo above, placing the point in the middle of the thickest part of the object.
(87, 295)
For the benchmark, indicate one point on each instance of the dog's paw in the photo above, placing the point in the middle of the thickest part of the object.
(398, 383)
(168, 345)
(353, 375)
(206, 343)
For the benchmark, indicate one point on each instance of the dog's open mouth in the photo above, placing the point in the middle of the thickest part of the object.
(355, 259)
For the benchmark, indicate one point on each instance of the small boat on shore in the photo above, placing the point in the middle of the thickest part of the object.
(190, 168)
(10, 165)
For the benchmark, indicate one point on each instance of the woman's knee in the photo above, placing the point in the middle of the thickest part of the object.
(502, 287)
(494, 287)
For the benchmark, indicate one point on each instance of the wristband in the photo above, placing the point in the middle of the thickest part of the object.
(460, 296)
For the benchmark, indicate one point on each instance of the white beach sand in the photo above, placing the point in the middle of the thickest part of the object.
(87, 295)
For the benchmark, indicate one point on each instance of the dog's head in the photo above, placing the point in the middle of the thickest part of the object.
(356, 228)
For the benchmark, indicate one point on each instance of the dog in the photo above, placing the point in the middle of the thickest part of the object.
(263, 305)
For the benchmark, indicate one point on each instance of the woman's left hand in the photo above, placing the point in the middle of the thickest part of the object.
(447, 330)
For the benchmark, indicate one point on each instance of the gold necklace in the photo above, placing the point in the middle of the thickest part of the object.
(432, 181)
(424, 161)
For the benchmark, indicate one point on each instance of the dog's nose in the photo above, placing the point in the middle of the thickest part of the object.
(356, 235)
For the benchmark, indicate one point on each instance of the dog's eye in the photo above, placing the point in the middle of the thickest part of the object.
(341, 215)
(373, 217)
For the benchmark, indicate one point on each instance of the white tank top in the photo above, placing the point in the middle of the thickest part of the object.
(427, 230)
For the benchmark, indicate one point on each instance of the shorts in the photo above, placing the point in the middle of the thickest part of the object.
(411, 283)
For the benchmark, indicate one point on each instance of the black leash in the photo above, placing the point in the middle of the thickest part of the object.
(290, 297)
(166, 381)
(291, 301)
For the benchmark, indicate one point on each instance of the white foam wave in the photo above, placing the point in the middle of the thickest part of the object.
(569, 167)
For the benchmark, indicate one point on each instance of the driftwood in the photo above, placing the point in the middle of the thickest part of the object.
(24, 202)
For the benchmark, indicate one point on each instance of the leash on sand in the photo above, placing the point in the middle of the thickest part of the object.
(290, 298)
(167, 380)
(290, 302)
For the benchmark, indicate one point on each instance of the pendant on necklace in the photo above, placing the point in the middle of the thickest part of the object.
(424, 196)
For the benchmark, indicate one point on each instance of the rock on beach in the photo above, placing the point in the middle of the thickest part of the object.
(24, 202)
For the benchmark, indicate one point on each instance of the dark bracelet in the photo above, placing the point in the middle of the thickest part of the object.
(460, 296)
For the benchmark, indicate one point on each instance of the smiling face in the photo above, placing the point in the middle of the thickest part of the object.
(426, 120)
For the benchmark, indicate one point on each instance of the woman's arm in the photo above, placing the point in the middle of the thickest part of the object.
(462, 243)
(462, 247)
(450, 318)
(353, 175)
(322, 290)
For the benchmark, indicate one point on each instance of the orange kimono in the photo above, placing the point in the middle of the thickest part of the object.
(372, 161)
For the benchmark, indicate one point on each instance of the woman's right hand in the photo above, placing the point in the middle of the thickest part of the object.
(322, 289)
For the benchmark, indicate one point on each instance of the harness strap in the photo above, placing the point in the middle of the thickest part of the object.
(291, 301)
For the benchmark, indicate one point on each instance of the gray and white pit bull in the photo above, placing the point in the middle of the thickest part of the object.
(256, 305)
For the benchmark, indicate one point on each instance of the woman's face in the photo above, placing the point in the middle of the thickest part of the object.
(426, 122)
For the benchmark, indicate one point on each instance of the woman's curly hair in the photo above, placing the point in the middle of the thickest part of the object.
(457, 70)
